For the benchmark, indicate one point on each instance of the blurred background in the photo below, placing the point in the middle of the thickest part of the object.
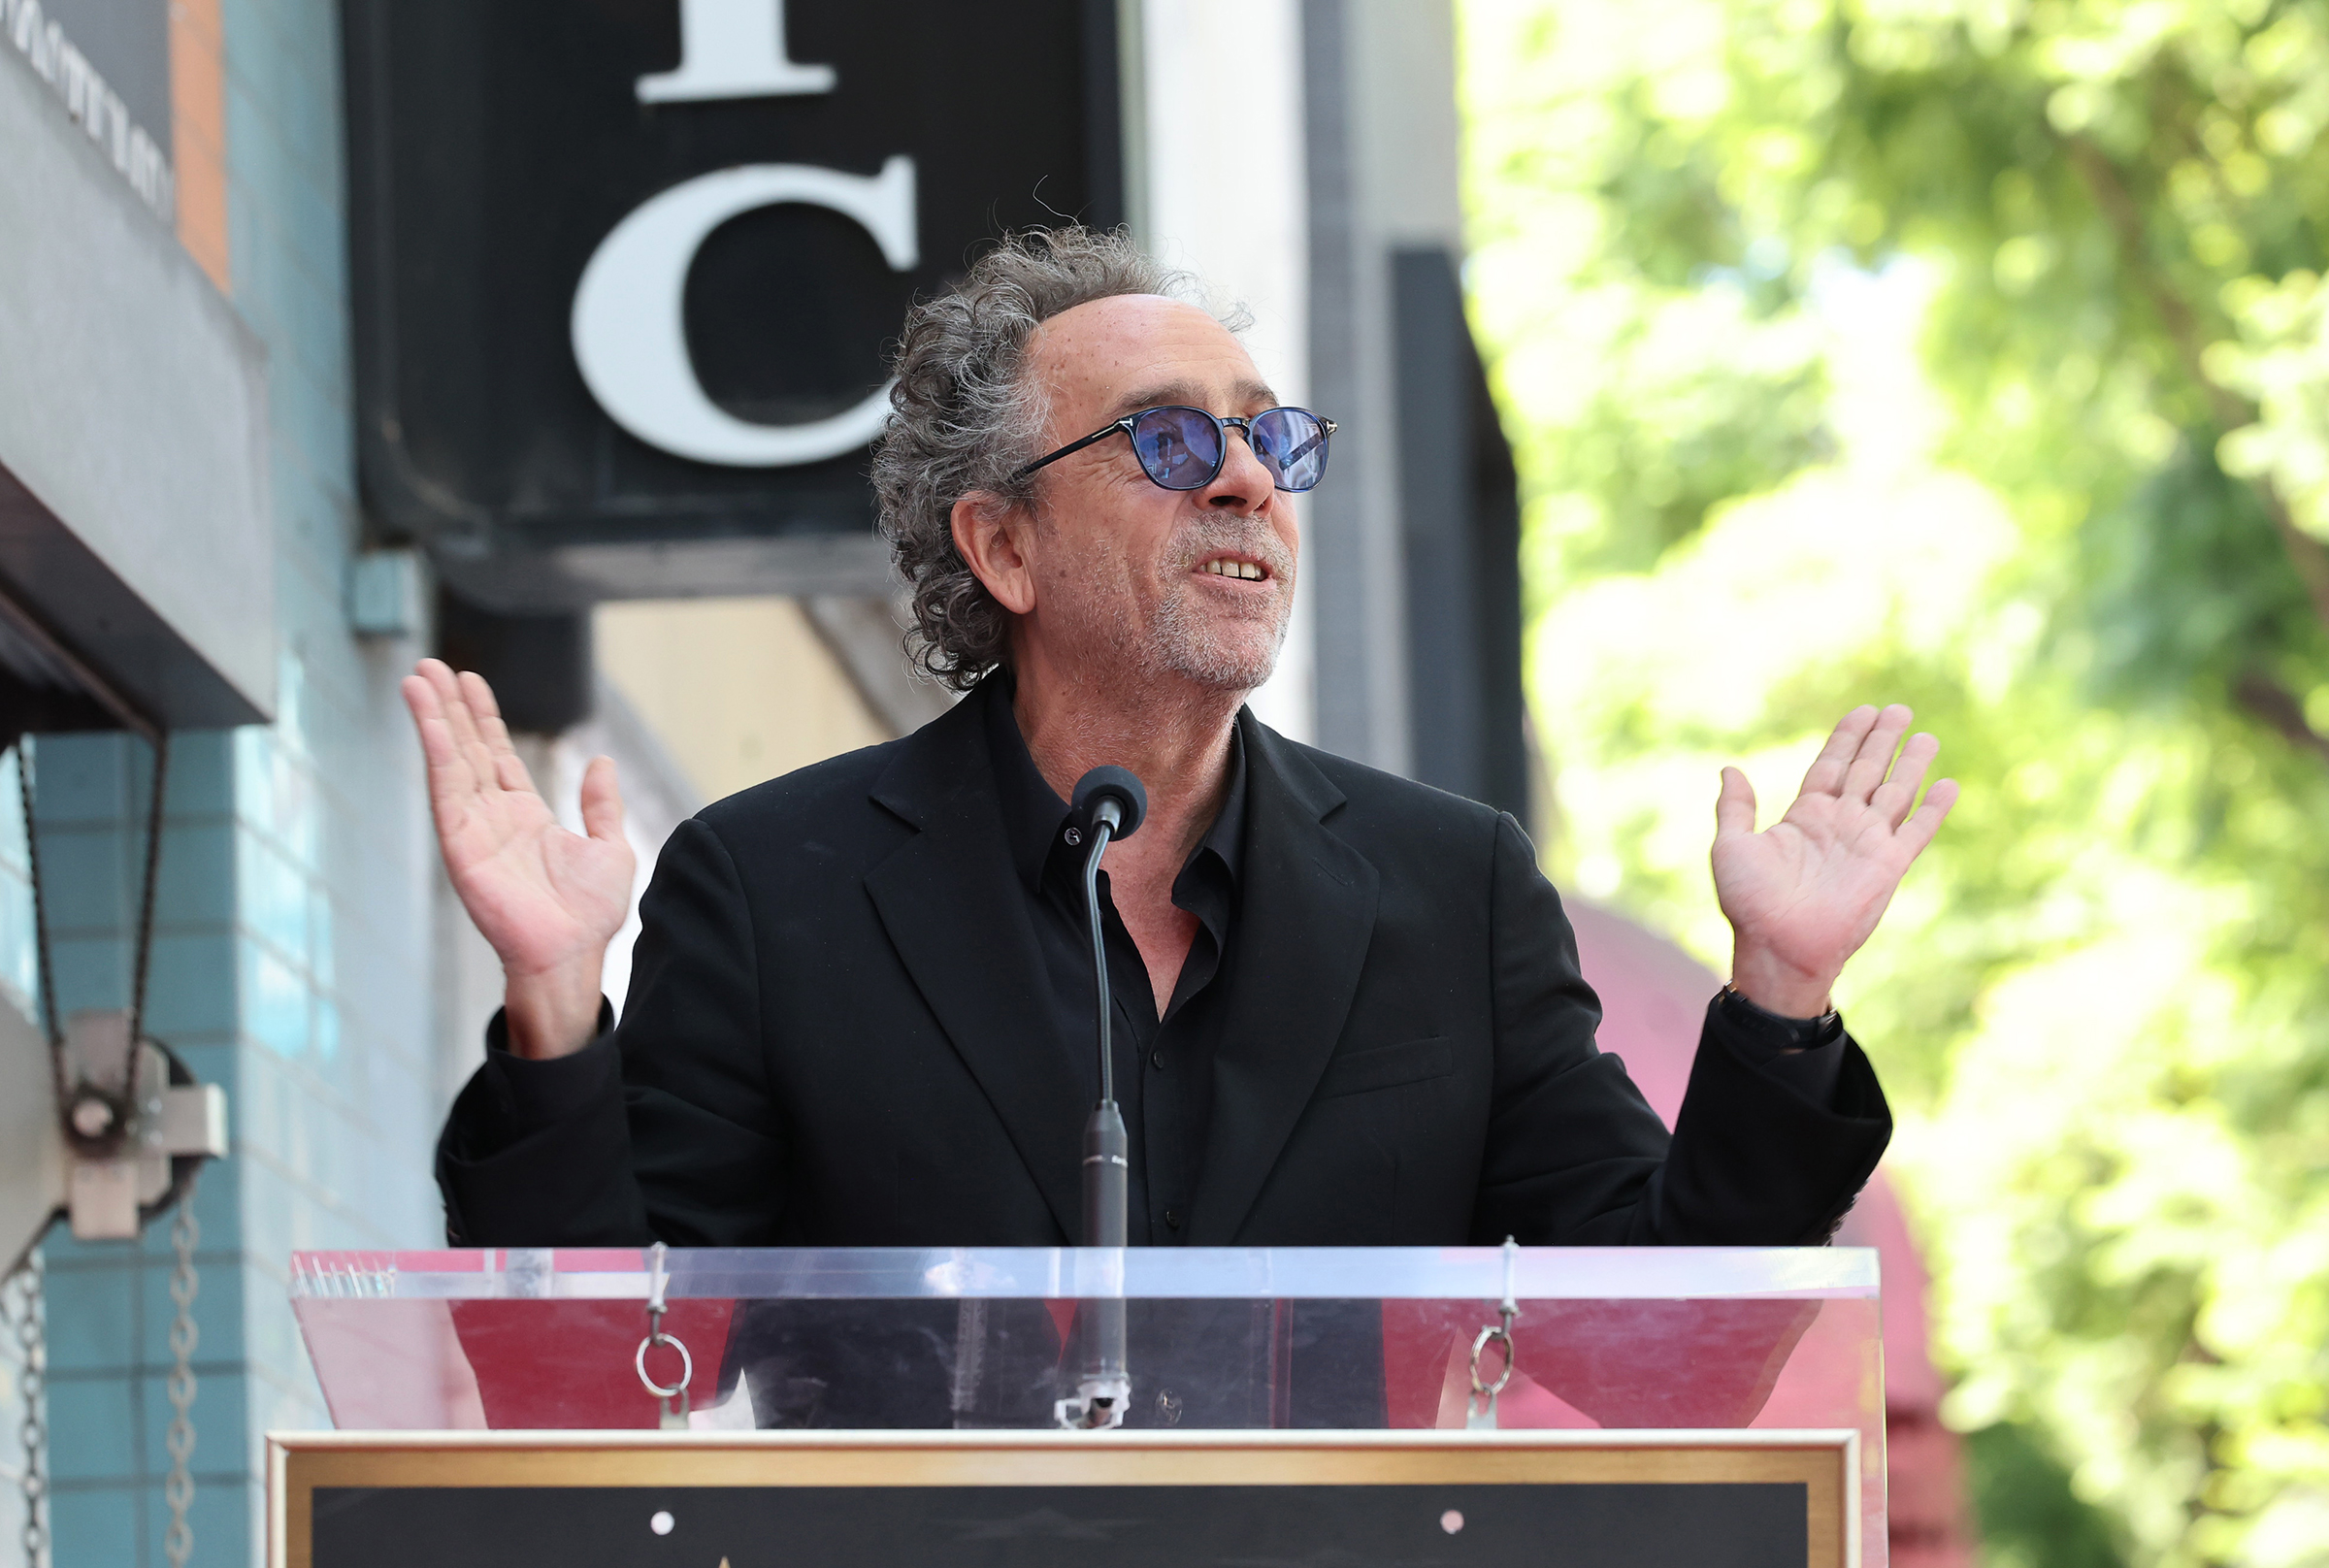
(1970, 356)
(1705, 368)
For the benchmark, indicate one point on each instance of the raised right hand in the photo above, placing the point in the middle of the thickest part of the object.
(549, 899)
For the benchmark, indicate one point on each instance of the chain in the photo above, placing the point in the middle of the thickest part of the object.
(179, 1491)
(27, 1315)
(144, 957)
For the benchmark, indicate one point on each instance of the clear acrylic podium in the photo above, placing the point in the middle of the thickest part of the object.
(1610, 1339)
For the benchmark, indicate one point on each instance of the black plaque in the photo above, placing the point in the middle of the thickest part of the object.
(969, 1499)
(1708, 1525)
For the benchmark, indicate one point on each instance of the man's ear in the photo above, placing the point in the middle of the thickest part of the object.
(992, 534)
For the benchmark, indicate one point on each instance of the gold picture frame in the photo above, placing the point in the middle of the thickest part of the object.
(1826, 1463)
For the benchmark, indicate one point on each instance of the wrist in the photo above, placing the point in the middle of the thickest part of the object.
(552, 1012)
(1780, 988)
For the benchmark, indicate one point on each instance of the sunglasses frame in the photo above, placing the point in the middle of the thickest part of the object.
(1238, 422)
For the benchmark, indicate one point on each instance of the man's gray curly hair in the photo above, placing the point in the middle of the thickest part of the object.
(966, 417)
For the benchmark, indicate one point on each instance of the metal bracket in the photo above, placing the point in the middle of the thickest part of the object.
(124, 1140)
(1480, 1403)
(1099, 1404)
(669, 1418)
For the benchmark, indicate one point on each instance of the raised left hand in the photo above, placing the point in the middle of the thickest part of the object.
(1805, 892)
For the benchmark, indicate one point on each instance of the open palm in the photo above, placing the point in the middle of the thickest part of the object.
(546, 899)
(1805, 892)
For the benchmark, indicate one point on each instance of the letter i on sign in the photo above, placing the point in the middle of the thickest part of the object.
(732, 49)
(627, 324)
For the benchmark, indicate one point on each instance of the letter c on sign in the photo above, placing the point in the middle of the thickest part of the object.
(629, 322)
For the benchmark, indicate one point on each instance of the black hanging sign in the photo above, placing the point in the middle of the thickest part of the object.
(625, 270)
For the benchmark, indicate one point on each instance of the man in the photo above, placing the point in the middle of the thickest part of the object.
(1348, 1006)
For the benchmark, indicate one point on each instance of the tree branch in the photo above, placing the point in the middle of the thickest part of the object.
(2307, 556)
(2278, 707)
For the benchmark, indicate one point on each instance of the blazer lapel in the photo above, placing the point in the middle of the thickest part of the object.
(1306, 914)
(952, 903)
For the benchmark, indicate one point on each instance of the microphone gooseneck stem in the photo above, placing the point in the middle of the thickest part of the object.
(1107, 1169)
(1101, 831)
(1103, 1393)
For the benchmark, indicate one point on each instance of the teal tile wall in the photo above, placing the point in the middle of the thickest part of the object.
(109, 1307)
(290, 961)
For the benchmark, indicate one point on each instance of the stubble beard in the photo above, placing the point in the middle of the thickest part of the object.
(1210, 646)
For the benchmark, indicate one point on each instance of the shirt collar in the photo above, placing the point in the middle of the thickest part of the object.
(1034, 815)
(1227, 836)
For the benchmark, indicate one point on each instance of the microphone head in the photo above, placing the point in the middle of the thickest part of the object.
(1117, 785)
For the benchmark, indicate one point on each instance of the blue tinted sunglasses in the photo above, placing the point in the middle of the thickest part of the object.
(1183, 449)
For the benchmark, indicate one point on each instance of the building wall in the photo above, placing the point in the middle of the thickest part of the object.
(291, 962)
(1224, 175)
(1380, 122)
(109, 1306)
(740, 690)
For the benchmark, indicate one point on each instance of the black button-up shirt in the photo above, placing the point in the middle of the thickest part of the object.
(1164, 1065)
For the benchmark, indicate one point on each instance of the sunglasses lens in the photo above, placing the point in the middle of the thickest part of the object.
(1180, 448)
(1291, 444)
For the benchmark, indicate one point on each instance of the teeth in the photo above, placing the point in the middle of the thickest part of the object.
(1246, 570)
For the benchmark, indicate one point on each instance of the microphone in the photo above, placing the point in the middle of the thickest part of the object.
(1112, 797)
(1108, 804)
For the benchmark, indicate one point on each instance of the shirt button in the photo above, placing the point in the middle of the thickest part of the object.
(1156, 1060)
(1172, 1219)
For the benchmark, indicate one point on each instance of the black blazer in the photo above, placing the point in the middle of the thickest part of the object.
(828, 1043)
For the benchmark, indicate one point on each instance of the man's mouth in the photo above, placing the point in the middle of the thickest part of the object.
(1229, 566)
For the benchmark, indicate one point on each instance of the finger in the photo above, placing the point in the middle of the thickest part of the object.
(486, 709)
(1734, 807)
(485, 713)
(602, 802)
(1898, 791)
(442, 680)
(1826, 775)
(460, 722)
(420, 699)
(448, 769)
(1919, 831)
(1874, 759)
(510, 769)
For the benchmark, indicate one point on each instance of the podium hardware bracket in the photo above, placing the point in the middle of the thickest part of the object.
(1480, 1403)
(667, 1418)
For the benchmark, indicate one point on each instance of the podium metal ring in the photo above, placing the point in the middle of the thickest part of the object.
(1488, 1336)
(687, 1366)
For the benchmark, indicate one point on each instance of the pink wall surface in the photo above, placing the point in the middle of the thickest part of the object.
(1653, 998)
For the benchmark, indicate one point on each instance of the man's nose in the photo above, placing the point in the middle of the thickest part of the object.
(1243, 485)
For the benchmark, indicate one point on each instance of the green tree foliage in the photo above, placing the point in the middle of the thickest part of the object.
(1975, 353)
(2028, 1518)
